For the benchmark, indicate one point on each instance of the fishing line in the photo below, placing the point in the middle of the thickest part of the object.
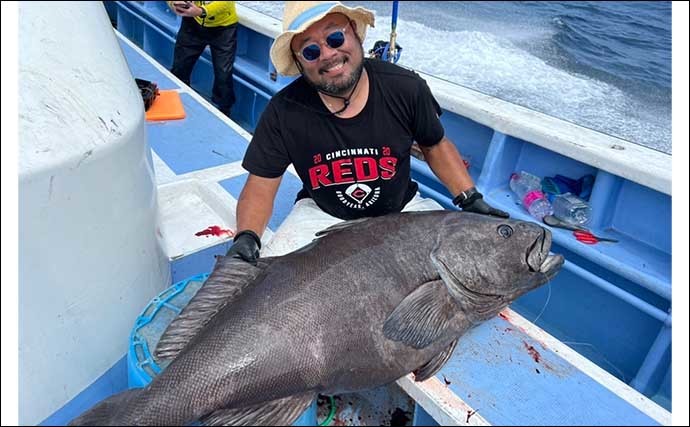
(548, 297)
(622, 375)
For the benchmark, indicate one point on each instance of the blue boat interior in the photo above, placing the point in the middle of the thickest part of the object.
(611, 302)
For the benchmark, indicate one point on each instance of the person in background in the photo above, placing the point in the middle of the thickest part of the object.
(347, 125)
(207, 23)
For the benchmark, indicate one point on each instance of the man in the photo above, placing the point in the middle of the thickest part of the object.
(205, 23)
(347, 126)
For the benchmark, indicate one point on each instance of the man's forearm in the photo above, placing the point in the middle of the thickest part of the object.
(446, 163)
(255, 206)
(252, 215)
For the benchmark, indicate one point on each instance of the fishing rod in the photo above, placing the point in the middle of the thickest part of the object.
(388, 50)
(392, 48)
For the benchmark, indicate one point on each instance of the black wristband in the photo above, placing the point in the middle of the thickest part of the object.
(467, 197)
(251, 234)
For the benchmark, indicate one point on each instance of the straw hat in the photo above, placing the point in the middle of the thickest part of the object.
(299, 15)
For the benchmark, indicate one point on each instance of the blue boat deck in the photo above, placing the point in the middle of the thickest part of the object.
(205, 147)
(506, 371)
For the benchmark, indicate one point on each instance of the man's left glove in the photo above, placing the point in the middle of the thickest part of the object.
(472, 200)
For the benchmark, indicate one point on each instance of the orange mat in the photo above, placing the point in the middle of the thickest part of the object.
(166, 106)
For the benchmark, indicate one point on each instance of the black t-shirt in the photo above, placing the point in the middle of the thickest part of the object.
(356, 167)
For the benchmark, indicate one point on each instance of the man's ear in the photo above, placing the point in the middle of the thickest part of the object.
(297, 63)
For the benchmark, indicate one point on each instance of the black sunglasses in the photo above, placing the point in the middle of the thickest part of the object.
(313, 51)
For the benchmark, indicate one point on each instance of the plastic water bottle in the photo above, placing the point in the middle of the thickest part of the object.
(528, 189)
(571, 209)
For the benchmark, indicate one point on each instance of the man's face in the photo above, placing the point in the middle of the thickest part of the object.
(336, 69)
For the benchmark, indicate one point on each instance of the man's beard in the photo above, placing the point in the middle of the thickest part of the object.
(342, 88)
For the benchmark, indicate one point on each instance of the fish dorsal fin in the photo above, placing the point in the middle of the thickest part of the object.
(422, 316)
(227, 281)
(430, 368)
(339, 226)
(280, 412)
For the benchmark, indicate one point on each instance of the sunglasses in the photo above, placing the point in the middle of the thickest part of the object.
(312, 51)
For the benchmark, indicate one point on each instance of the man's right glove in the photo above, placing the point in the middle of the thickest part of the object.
(246, 246)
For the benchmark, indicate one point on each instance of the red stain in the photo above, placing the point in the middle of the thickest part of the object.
(533, 352)
(509, 329)
(215, 230)
(503, 316)
(466, 163)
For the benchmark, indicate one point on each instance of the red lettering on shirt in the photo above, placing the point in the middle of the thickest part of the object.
(341, 172)
(387, 165)
(365, 169)
(318, 176)
(345, 171)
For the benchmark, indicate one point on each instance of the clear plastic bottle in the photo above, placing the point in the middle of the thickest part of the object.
(571, 209)
(528, 189)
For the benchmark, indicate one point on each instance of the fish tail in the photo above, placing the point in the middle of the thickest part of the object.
(106, 412)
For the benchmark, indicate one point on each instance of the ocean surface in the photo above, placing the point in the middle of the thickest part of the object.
(602, 65)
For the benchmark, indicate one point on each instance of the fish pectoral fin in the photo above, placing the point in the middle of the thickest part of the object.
(227, 281)
(280, 412)
(430, 368)
(422, 316)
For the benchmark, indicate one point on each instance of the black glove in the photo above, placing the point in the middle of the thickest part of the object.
(246, 246)
(472, 200)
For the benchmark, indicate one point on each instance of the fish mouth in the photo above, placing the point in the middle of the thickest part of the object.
(552, 265)
(538, 257)
(538, 251)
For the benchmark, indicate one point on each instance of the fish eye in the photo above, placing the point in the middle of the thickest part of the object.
(505, 231)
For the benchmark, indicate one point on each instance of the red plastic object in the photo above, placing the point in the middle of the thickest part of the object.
(589, 239)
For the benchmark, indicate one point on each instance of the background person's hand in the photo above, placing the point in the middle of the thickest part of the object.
(187, 9)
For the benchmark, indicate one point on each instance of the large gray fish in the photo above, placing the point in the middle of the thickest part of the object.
(363, 305)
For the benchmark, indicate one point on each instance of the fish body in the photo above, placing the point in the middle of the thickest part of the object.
(363, 305)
